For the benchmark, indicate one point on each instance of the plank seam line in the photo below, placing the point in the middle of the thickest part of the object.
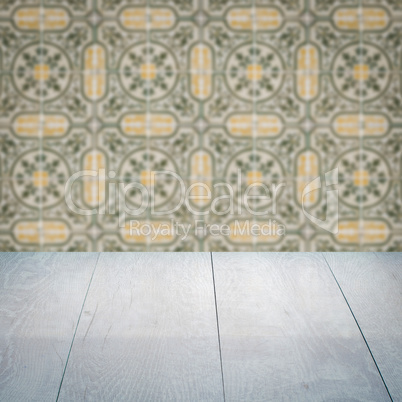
(76, 327)
(358, 326)
(217, 326)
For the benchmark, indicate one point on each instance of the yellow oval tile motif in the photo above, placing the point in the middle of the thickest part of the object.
(258, 18)
(202, 174)
(147, 232)
(138, 18)
(95, 72)
(94, 186)
(366, 18)
(247, 125)
(364, 232)
(307, 72)
(201, 72)
(250, 232)
(34, 125)
(35, 18)
(45, 232)
(354, 125)
(201, 164)
(158, 125)
(307, 171)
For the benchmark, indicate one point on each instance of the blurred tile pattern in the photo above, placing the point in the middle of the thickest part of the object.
(282, 90)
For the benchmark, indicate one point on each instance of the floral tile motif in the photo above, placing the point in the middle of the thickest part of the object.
(295, 103)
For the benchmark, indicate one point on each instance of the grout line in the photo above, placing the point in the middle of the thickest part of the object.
(76, 327)
(217, 326)
(40, 130)
(361, 129)
(358, 326)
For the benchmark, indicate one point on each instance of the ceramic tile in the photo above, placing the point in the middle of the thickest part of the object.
(225, 98)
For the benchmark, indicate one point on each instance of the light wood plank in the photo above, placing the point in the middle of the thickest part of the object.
(372, 284)
(148, 331)
(40, 300)
(287, 333)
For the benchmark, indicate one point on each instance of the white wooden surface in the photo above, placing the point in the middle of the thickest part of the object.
(148, 328)
(373, 288)
(41, 295)
(148, 332)
(286, 332)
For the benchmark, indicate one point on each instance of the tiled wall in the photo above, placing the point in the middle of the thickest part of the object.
(283, 91)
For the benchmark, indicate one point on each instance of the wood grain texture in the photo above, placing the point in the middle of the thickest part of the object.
(372, 284)
(148, 331)
(41, 296)
(287, 333)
